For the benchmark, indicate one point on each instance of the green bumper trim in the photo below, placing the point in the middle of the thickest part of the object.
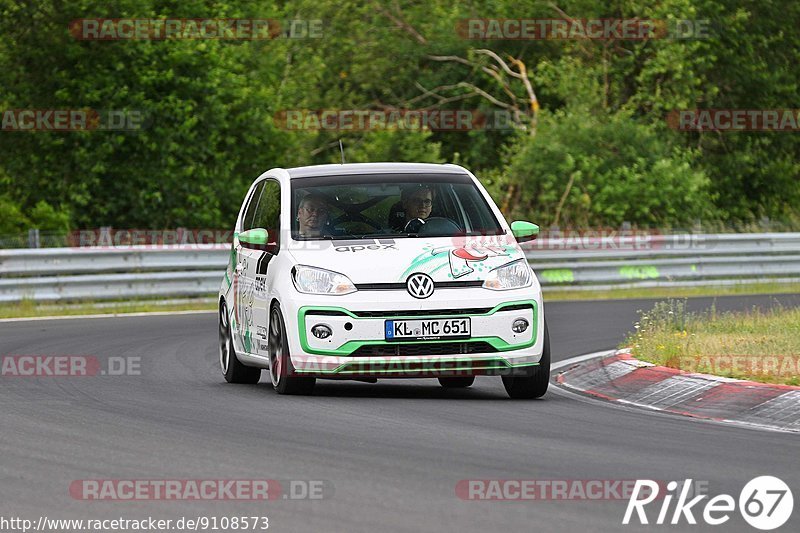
(349, 347)
(360, 368)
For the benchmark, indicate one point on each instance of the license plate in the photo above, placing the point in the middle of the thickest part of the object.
(429, 329)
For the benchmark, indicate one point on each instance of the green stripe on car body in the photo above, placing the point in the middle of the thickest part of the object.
(349, 347)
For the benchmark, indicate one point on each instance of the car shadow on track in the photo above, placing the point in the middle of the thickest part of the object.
(398, 389)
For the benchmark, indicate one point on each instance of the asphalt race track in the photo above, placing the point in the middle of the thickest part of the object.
(392, 451)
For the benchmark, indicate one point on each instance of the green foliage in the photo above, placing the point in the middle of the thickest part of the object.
(45, 217)
(209, 108)
(602, 169)
(11, 218)
(394, 145)
(208, 129)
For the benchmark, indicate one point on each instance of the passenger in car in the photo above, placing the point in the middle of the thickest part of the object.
(312, 214)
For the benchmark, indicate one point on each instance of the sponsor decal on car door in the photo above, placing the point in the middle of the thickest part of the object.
(246, 297)
(267, 216)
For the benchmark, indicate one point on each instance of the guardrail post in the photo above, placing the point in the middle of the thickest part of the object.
(33, 239)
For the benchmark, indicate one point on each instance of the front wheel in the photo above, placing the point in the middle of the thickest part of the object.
(233, 370)
(535, 384)
(280, 364)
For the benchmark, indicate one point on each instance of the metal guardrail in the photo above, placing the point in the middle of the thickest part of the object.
(666, 260)
(53, 274)
(581, 263)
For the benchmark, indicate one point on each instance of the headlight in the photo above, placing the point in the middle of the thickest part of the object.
(310, 280)
(514, 275)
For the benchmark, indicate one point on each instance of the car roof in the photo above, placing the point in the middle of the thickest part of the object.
(373, 168)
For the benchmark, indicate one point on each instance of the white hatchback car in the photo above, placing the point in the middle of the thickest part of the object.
(380, 270)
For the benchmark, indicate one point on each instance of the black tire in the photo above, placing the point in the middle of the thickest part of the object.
(456, 382)
(535, 384)
(281, 371)
(233, 370)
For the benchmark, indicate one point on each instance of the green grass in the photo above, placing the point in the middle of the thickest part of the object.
(27, 308)
(551, 295)
(756, 345)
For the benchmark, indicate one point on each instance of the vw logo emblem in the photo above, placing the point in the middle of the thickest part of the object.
(419, 285)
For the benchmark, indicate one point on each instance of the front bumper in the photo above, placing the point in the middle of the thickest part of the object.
(357, 347)
(412, 366)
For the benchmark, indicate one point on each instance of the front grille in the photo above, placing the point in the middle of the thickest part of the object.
(424, 312)
(517, 307)
(401, 286)
(320, 312)
(454, 284)
(421, 348)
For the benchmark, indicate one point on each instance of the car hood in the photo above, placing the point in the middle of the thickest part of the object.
(393, 260)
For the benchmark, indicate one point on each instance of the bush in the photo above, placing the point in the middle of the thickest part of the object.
(391, 145)
(11, 218)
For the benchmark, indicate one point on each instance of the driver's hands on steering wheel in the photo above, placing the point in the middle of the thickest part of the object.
(414, 225)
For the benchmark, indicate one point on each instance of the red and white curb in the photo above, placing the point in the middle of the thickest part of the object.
(619, 377)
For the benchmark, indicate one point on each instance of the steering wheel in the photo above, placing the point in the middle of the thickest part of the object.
(350, 218)
(357, 226)
(346, 220)
(432, 226)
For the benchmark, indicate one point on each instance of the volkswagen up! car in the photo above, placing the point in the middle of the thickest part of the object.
(380, 270)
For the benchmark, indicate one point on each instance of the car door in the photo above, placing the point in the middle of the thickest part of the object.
(267, 216)
(244, 276)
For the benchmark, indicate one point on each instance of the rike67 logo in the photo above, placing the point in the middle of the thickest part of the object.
(765, 503)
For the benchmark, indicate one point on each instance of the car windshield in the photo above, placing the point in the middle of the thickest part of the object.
(404, 205)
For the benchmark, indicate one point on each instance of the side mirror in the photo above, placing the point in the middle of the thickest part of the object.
(524, 231)
(254, 238)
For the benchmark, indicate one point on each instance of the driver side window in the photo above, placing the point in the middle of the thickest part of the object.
(252, 206)
(268, 212)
